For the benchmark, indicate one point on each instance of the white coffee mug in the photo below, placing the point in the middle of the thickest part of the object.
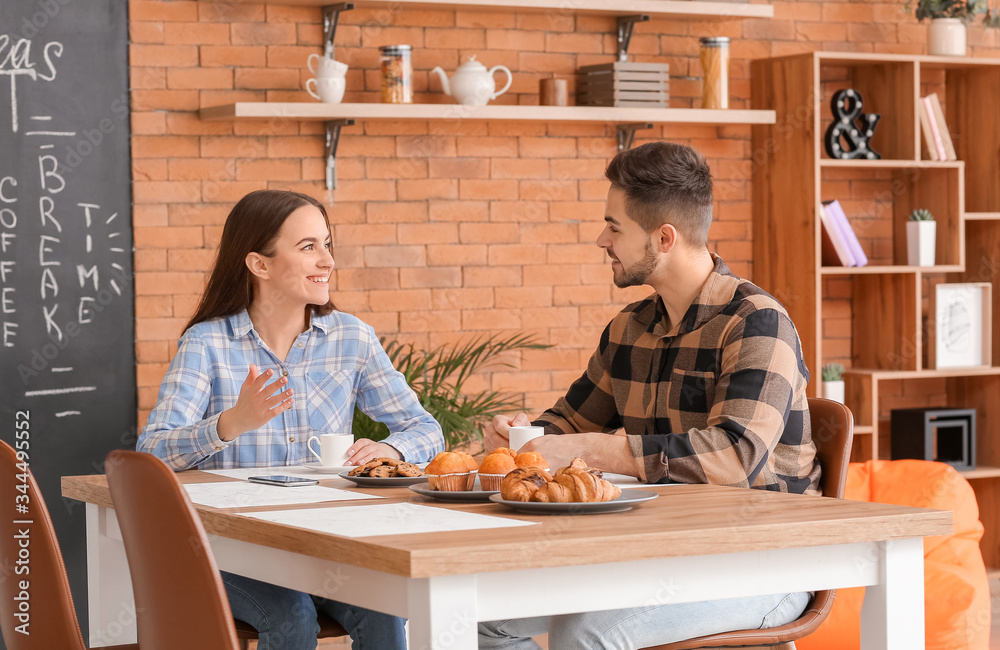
(332, 448)
(324, 66)
(519, 436)
(328, 89)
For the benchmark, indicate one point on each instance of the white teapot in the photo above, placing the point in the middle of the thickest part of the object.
(472, 84)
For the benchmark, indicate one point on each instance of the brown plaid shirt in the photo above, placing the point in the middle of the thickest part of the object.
(719, 398)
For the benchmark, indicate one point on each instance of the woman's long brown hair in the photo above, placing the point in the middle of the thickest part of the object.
(251, 227)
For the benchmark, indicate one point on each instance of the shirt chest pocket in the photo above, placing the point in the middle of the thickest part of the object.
(330, 397)
(692, 392)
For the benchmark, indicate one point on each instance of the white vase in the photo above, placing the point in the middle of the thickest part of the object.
(946, 37)
(834, 390)
(920, 242)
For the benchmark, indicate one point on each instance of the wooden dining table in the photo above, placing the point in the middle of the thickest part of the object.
(691, 543)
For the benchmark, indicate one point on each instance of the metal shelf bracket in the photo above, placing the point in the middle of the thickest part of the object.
(332, 140)
(626, 134)
(331, 16)
(625, 25)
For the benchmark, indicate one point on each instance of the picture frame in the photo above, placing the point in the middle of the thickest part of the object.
(962, 322)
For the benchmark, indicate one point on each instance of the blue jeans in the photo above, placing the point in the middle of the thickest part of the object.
(640, 627)
(286, 619)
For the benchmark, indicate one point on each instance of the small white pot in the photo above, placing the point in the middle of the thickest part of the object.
(834, 390)
(946, 37)
(921, 239)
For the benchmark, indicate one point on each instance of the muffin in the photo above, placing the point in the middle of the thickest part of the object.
(496, 465)
(472, 466)
(530, 459)
(449, 472)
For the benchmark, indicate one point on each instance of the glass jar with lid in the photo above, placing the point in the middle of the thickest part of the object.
(715, 68)
(397, 74)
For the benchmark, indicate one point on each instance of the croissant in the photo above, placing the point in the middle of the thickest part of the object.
(522, 482)
(576, 483)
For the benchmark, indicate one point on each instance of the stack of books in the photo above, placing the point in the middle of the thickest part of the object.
(937, 137)
(840, 244)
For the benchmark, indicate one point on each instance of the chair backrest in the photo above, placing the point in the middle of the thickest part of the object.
(179, 596)
(47, 602)
(833, 434)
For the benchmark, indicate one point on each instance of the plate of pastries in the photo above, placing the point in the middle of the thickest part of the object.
(385, 472)
(457, 476)
(572, 490)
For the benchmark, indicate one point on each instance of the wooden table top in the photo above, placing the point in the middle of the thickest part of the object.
(684, 520)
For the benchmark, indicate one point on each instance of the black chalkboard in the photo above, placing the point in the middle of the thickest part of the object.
(67, 301)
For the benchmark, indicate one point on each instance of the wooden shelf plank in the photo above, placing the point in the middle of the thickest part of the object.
(890, 164)
(982, 471)
(982, 216)
(673, 8)
(321, 112)
(883, 375)
(864, 58)
(864, 430)
(869, 270)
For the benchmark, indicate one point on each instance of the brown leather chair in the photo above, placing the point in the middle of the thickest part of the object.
(833, 433)
(174, 575)
(53, 622)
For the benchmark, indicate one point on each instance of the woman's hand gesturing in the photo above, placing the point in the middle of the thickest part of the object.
(256, 405)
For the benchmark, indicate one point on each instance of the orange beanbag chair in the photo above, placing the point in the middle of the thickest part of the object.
(956, 591)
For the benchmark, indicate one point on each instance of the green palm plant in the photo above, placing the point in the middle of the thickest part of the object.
(438, 376)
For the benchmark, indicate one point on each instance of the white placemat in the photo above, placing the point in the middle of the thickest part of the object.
(241, 494)
(384, 519)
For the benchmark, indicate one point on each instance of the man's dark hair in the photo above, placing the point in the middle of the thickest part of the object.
(665, 183)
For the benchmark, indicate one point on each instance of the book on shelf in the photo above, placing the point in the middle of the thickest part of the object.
(834, 249)
(949, 146)
(925, 128)
(936, 134)
(847, 234)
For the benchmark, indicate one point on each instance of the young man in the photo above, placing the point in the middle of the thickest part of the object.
(703, 382)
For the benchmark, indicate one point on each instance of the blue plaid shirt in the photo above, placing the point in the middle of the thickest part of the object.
(336, 362)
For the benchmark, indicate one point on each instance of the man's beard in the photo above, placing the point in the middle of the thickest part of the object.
(638, 273)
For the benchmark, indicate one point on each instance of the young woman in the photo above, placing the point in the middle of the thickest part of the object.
(265, 362)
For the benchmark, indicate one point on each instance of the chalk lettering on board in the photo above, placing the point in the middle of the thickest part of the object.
(117, 250)
(62, 414)
(60, 369)
(4, 181)
(7, 304)
(6, 266)
(42, 118)
(42, 250)
(55, 133)
(45, 207)
(82, 273)
(49, 282)
(111, 218)
(9, 333)
(50, 324)
(59, 391)
(50, 173)
(114, 285)
(46, 146)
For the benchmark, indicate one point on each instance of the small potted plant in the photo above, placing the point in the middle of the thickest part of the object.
(921, 236)
(833, 382)
(948, 20)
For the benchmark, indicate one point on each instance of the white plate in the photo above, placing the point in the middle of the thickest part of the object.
(327, 469)
(624, 502)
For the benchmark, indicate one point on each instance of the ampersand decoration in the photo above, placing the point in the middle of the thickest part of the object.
(857, 136)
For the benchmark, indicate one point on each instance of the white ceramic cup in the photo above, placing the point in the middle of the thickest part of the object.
(519, 436)
(332, 448)
(324, 66)
(329, 90)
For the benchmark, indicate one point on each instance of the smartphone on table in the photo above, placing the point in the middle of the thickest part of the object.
(284, 481)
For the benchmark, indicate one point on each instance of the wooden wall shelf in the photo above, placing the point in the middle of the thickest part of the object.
(673, 8)
(316, 111)
(886, 304)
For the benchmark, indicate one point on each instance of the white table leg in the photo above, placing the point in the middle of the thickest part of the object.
(892, 617)
(442, 613)
(109, 584)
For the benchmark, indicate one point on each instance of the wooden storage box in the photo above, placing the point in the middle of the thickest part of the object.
(624, 84)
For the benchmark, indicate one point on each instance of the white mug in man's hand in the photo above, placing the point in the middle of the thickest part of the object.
(332, 448)
(519, 436)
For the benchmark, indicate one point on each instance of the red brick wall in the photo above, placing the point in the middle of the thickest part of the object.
(441, 230)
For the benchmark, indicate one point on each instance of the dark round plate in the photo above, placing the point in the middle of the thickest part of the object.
(628, 499)
(424, 489)
(395, 481)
